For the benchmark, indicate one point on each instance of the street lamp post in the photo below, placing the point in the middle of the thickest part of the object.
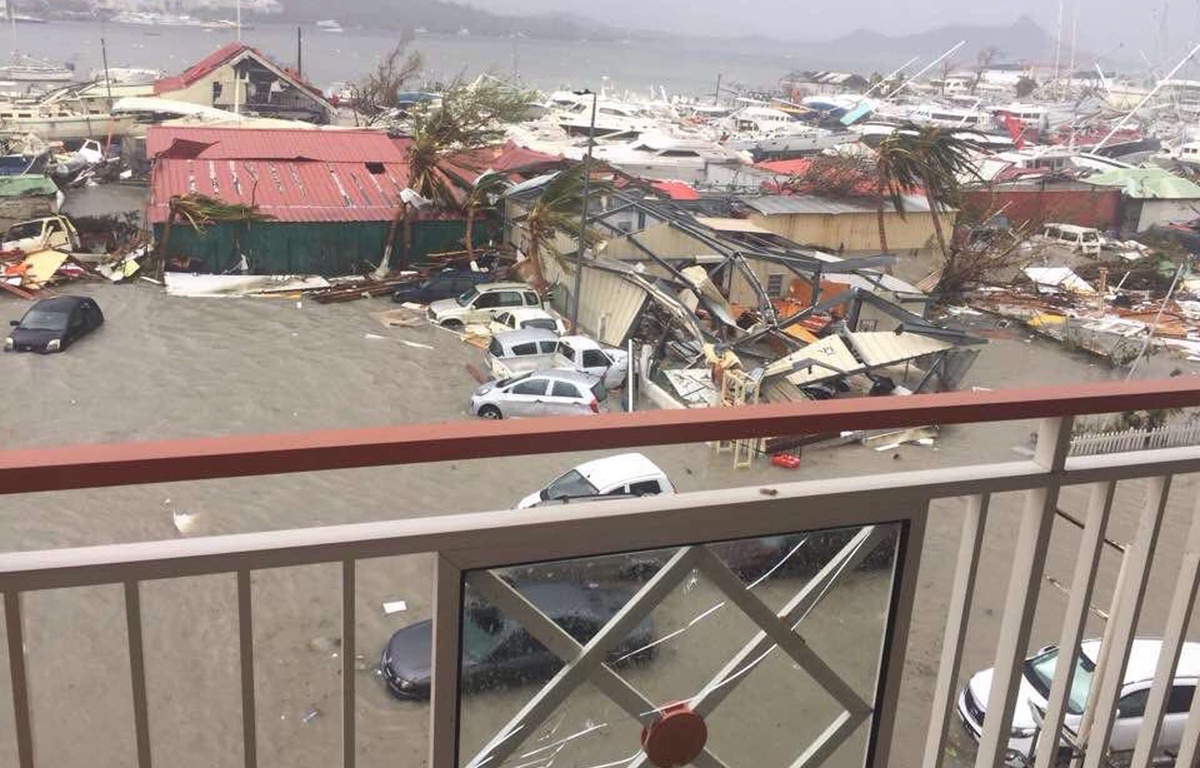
(587, 180)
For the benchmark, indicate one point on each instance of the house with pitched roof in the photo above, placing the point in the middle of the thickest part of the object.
(240, 78)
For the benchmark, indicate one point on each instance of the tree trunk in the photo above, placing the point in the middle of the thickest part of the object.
(539, 279)
(406, 241)
(937, 222)
(161, 267)
(879, 215)
(385, 264)
(468, 235)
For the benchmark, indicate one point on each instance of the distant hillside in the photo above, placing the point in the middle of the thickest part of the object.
(441, 16)
(1023, 40)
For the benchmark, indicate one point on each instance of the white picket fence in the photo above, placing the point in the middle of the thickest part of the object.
(1170, 436)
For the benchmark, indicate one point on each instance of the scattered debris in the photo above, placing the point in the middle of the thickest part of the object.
(394, 606)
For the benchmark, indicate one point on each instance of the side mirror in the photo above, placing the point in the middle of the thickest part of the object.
(14, 322)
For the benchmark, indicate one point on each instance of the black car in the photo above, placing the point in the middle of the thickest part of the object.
(443, 285)
(52, 325)
(498, 651)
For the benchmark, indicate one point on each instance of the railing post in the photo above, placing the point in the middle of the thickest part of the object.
(444, 682)
(246, 659)
(1075, 618)
(349, 645)
(22, 720)
(1029, 560)
(137, 671)
(961, 594)
(1106, 680)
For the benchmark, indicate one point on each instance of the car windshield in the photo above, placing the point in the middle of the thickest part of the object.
(477, 641)
(466, 297)
(544, 323)
(599, 391)
(569, 485)
(1039, 670)
(44, 320)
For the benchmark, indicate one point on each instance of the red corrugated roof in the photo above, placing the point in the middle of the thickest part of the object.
(676, 190)
(794, 167)
(334, 145)
(293, 175)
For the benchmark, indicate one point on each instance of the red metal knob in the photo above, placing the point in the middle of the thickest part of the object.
(675, 738)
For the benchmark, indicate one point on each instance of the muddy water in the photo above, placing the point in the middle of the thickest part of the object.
(164, 367)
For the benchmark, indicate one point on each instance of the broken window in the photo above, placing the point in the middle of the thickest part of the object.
(775, 285)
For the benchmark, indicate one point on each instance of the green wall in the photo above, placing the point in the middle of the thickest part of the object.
(328, 249)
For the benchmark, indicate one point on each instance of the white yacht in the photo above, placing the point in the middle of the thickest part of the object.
(27, 69)
(614, 119)
(667, 158)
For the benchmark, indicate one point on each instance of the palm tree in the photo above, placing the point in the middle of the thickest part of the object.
(559, 209)
(480, 197)
(894, 177)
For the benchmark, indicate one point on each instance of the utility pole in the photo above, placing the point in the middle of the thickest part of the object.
(717, 93)
(587, 182)
(300, 51)
(107, 79)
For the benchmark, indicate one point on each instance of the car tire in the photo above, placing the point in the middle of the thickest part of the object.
(453, 325)
(490, 412)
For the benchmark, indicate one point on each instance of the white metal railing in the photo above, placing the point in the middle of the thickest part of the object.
(467, 546)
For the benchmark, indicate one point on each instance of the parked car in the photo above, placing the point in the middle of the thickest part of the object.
(482, 303)
(52, 325)
(498, 651)
(529, 344)
(443, 285)
(525, 318)
(577, 353)
(1036, 678)
(630, 474)
(541, 393)
(39, 234)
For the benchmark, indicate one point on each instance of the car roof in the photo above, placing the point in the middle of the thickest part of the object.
(1143, 659)
(525, 313)
(60, 303)
(505, 287)
(564, 374)
(523, 335)
(566, 598)
(612, 469)
(581, 342)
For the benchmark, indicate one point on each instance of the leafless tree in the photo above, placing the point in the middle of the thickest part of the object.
(380, 89)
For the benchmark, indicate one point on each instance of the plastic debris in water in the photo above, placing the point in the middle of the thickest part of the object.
(184, 521)
(310, 715)
(394, 606)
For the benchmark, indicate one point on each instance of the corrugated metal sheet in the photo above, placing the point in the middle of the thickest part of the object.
(731, 225)
(610, 303)
(287, 190)
(886, 348)
(785, 205)
(329, 144)
(831, 351)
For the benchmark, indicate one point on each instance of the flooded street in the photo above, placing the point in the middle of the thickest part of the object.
(164, 367)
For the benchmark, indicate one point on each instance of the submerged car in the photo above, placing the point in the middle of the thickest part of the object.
(1037, 674)
(626, 474)
(497, 651)
(52, 325)
(541, 393)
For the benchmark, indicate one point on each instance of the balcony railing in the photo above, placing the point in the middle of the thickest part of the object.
(471, 552)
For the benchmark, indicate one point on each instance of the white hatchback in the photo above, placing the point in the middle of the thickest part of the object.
(1038, 672)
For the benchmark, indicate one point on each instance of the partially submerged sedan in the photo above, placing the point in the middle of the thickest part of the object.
(52, 325)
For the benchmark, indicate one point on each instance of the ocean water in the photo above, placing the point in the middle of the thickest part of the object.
(688, 67)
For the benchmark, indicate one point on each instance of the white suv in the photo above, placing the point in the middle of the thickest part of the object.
(481, 304)
(1038, 673)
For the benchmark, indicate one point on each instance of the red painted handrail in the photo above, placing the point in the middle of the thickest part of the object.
(94, 466)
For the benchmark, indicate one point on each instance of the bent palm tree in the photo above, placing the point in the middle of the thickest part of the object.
(895, 175)
(480, 197)
(559, 209)
(942, 161)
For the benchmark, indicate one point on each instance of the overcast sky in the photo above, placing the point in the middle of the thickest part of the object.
(1102, 23)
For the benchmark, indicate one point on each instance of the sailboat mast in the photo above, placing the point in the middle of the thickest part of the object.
(1058, 39)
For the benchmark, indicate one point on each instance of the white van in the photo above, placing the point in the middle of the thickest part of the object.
(1083, 239)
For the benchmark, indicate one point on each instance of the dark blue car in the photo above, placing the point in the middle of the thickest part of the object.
(443, 285)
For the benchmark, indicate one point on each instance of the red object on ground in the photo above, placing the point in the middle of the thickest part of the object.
(676, 738)
(786, 460)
